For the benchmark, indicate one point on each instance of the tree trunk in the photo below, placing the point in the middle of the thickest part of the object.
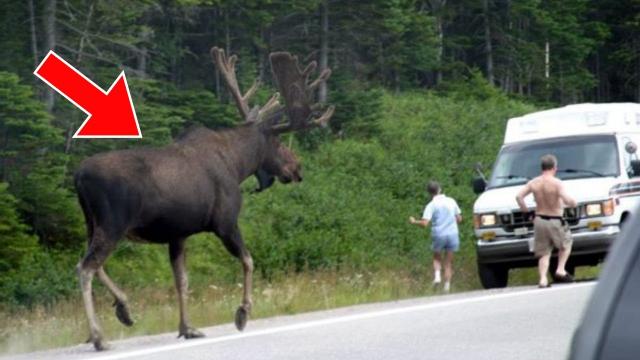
(50, 43)
(34, 38)
(227, 33)
(598, 77)
(324, 48)
(440, 50)
(143, 53)
(263, 56)
(547, 69)
(487, 41)
(547, 58)
(381, 61)
(216, 33)
(85, 33)
(637, 74)
(436, 7)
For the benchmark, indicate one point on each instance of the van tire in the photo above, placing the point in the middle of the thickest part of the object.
(493, 276)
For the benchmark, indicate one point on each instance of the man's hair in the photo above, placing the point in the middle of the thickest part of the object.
(548, 162)
(433, 187)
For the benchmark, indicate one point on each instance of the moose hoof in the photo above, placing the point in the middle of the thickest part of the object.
(122, 313)
(190, 333)
(242, 315)
(99, 344)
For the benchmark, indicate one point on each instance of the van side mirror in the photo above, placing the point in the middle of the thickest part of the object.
(630, 147)
(479, 185)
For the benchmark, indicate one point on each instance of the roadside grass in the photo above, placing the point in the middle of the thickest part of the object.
(529, 276)
(155, 310)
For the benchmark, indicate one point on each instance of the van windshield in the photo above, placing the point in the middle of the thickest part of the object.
(578, 157)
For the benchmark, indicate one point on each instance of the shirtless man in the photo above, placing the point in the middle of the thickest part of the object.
(550, 229)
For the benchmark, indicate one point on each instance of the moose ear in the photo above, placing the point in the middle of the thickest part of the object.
(265, 180)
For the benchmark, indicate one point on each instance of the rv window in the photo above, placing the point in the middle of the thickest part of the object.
(586, 156)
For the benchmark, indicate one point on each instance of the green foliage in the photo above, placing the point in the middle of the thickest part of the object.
(357, 115)
(16, 244)
(24, 126)
(44, 278)
(471, 85)
(51, 209)
(164, 110)
(32, 162)
(28, 275)
(358, 107)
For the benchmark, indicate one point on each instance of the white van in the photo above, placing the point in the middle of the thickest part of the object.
(596, 149)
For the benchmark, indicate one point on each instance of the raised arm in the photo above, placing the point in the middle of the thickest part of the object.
(526, 190)
(426, 217)
(422, 222)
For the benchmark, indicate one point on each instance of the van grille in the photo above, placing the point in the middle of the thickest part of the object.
(518, 219)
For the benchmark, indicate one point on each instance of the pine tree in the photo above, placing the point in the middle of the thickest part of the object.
(32, 162)
(16, 244)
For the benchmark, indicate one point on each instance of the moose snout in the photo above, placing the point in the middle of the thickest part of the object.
(291, 176)
(297, 176)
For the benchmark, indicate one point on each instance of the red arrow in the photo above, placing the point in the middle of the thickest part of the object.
(111, 113)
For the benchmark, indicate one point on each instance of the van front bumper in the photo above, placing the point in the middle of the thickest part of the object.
(589, 247)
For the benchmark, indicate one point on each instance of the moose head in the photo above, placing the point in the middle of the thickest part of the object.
(278, 160)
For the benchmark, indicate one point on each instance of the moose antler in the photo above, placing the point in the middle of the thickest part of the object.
(294, 85)
(227, 67)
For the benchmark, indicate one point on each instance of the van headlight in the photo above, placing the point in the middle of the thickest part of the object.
(594, 209)
(484, 220)
(605, 208)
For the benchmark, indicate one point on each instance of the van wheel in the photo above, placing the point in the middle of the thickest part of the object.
(493, 276)
(623, 220)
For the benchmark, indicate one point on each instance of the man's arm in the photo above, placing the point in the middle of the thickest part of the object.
(566, 199)
(422, 222)
(526, 190)
(457, 212)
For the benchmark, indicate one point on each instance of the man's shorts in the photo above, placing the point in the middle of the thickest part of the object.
(445, 242)
(550, 233)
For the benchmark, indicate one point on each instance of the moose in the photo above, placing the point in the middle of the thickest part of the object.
(164, 195)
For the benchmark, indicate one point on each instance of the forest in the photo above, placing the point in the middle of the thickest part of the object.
(422, 90)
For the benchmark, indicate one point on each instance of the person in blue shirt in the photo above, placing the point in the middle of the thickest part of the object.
(443, 213)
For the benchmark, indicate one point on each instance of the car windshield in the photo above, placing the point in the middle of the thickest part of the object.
(578, 157)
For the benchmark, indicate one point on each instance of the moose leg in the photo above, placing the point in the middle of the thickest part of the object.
(99, 249)
(177, 256)
(120, 303)
(234, 243)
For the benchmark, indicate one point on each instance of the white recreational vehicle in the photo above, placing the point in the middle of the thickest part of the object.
(596, 149)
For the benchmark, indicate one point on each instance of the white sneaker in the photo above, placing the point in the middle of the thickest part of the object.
(436, 277)
(447, 287)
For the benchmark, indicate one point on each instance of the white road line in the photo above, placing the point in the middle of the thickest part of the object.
(335, 320)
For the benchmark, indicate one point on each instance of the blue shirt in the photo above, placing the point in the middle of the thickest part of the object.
(441, 212)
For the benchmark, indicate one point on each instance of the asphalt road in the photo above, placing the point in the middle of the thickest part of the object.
(517, 323)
